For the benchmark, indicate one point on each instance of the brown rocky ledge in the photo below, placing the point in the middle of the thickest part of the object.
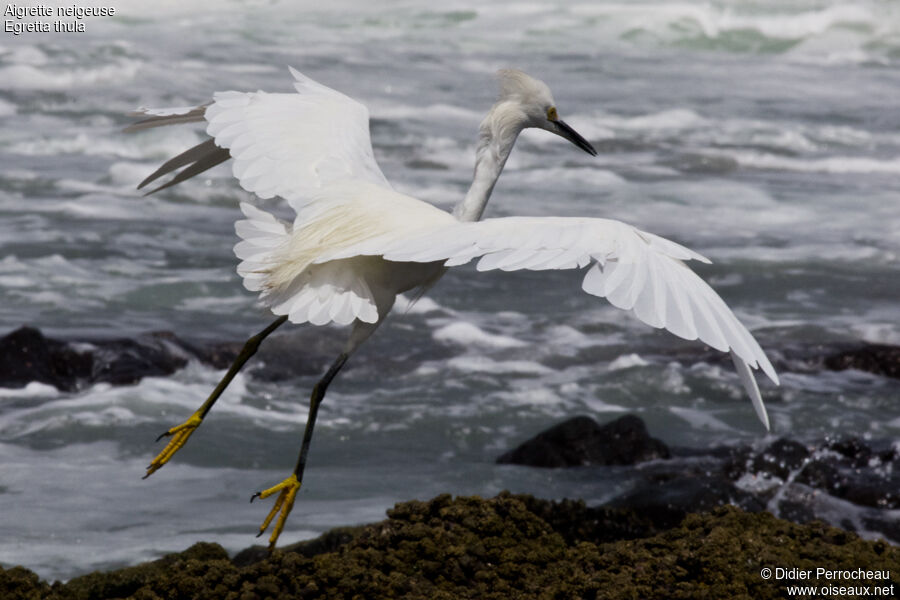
(504, 547)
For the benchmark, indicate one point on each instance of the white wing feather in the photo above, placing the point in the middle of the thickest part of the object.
(296, 145)
(634, 270)
(293, 145)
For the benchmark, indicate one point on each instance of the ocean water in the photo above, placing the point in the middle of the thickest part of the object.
(762, 134)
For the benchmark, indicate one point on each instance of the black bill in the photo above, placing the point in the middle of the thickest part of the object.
(573, 136)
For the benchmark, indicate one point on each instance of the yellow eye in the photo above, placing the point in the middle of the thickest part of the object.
(551, 114)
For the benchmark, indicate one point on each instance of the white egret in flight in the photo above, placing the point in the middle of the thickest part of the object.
(356, 243)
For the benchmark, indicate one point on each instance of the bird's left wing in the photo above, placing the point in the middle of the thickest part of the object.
(634, 270)
(293, 145)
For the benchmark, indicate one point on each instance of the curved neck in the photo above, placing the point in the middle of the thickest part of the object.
(496, 137)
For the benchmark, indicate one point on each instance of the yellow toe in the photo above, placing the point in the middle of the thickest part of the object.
(287, 491)
(179, 435)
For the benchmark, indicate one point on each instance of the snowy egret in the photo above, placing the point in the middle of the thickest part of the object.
(356, 243)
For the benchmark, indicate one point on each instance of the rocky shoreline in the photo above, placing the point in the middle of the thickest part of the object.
(505, 547)
(27, 355)
(696, 522)
(848, 482)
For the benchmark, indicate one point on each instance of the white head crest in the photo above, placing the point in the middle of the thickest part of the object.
(526, 102)
(523, 88)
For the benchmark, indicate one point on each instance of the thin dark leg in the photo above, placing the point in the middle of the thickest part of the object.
(249, 349)
(181, 433)
(287, 489)
(318, 394)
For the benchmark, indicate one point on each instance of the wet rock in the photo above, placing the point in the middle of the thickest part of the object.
(582, 441)
(800, 482)
(219, 355)
(127, 361)
(27, 355)
(499, 548)
(781, 457)
(666, 503)
(778, 459)
(849, 469)
(801, 357)
(877, 486)
(881, 359)
(805, 482)
(886, 524)
(855, 451)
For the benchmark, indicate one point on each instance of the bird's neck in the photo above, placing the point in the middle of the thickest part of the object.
(496, 137)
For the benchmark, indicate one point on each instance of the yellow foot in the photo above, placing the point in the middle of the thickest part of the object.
(179, 435)
(284, 504)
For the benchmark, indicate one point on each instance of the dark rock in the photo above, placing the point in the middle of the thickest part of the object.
(216, 354)
(798, 512)
(714, 451)
(878, 486)
(887, 525)
(284, 355)
(820, 475)
(582, 441)
(857, 453)
(666, 504)
(127, 361)
(330, 541)
(803, 357)
(496, 549)
(781, 458)
(849, 469)
(26, 356)
(881, 359)
(802, 482)
(799, 357)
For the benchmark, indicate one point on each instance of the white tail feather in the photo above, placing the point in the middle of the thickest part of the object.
(318, 294)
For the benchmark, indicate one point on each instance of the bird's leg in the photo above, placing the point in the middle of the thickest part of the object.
(288, 488)
(181, 433)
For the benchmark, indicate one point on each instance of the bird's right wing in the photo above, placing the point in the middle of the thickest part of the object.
(289, 145)
(292, 145)
(634, 270)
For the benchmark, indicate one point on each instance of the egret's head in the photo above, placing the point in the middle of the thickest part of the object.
(533, 98)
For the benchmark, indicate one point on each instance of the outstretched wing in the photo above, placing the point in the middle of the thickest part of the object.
(634, 270)
(292, 145)
(288, 145)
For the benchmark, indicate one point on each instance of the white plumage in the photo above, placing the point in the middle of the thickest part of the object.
(313, 149)
(356, 243)
(293, 145)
